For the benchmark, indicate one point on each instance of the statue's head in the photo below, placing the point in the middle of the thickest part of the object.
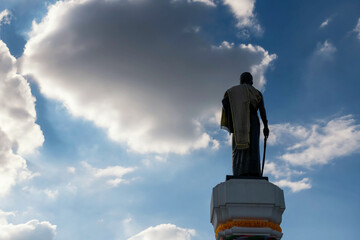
(246, 78)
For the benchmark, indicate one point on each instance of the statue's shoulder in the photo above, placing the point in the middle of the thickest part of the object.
(227, 92)
(255, 90)
(259, 92)
(236, 87)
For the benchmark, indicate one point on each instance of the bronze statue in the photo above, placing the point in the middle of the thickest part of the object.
(239, 116)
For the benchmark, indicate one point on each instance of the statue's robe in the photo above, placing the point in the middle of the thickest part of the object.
(239, 116)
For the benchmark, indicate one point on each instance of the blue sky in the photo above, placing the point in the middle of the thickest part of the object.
(109, 118)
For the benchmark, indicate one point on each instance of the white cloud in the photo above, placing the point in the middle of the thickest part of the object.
(215, 118)
(160, 158)
(244, 13)
(295, 186)
(71, 169)
(150, 161)
(52, 194)
(164, 231)
(215, 144)
(129, 227)
(136, 72)
(357, 29)
(19, 134)
(17, 112)
(224, 45)
(308, 146)
(282, 133)
(283, 174)
(5, 17)
(113, 174)
(207, 2)
(318, 143)
(258, 70)
(31, 230)
(13, 167)
(83, 178)
(326, 141)
(210, 3)
(326, 49)
(325, 23)
(280, 170)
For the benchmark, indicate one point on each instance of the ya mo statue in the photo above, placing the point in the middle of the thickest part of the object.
(239, 117)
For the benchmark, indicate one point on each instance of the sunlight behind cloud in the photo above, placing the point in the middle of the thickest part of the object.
(19, 134)
(139, 89)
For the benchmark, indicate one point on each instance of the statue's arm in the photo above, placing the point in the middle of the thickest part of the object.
(263, 116)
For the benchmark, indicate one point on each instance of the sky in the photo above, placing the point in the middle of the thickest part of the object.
(110, 114)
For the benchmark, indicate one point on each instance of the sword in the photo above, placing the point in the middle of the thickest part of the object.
(263, 162)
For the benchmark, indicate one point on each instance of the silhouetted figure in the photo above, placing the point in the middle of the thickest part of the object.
(239, 116)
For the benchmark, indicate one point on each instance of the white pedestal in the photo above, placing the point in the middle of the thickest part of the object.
(247, 200)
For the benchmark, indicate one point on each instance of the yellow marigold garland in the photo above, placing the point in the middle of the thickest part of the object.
(247, 223)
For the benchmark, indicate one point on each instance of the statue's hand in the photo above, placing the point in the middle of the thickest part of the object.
(266, 131)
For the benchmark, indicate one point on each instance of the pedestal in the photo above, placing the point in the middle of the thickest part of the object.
(247, 209)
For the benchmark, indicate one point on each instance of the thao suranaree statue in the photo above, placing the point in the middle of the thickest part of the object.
(239, 117)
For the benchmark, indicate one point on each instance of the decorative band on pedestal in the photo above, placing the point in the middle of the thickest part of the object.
(246, 237)
(247, 223)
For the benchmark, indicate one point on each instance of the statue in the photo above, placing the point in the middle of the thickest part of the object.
(239, 116)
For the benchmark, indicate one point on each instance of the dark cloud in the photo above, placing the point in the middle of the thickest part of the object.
(139, 69)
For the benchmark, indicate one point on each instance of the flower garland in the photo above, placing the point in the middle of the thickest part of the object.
(247, 223)
(243, 237)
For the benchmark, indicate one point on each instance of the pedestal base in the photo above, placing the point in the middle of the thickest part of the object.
(249, 233)
(247, 207)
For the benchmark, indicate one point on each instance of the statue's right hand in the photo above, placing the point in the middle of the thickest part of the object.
(266, 131)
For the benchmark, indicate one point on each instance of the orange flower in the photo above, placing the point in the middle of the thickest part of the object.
(247, 223)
